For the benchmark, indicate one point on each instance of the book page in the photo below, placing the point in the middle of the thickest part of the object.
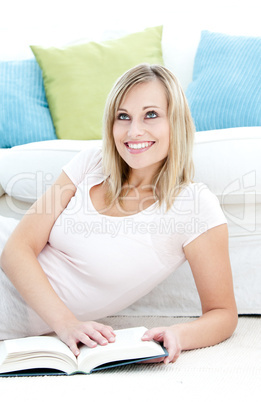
(2, 352)
(37, 352)
(128, 345)
(39, 344)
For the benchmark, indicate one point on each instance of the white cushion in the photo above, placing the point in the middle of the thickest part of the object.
(3, 151)
(227, 160)
(57, 145)
(27, 171)
(2, 191)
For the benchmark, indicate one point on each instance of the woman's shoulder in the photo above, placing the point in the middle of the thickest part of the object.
(195, 210)
(196, 198)
(90, 155)
(87, 161)
(195, 191)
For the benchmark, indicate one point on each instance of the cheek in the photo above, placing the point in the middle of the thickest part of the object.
(164, 131)
(117, 136)
(165, 138)
(117, 132)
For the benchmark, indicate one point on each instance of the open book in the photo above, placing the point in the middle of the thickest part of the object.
(40, 355)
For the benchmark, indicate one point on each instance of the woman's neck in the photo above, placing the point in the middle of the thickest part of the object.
(142, 178)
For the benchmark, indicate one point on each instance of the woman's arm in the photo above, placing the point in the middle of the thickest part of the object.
(209, 261)
(19, 261)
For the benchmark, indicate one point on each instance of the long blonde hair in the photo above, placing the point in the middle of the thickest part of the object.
(177, 169)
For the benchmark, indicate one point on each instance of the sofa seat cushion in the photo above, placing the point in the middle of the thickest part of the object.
(227, 160)
(3, 152)
(28, 170)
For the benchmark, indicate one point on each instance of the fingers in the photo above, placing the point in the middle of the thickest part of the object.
(170, 340)
(106, 331)
(89, 333)
(95, 333)
(73, 346)
(156, 334)
(173, 351)
(158, 360)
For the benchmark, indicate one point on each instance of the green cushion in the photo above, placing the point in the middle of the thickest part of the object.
(77, 79)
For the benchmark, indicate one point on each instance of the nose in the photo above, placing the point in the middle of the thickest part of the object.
(136, 128)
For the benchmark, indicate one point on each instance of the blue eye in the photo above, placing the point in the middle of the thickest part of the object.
(123, 116)
(151, 114)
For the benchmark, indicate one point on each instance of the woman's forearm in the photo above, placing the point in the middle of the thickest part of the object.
(27, 275)
(211, 328)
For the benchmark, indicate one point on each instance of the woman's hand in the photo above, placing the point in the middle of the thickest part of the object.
(89, 333)
(169, 336)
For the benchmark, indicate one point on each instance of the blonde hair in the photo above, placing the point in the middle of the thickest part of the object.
(177, 169)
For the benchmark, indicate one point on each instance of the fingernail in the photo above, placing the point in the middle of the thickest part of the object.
(111, 339)
(145, 337)
(166, 361)
(93, 344)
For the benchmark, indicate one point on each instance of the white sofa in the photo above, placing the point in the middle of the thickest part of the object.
(227, 160)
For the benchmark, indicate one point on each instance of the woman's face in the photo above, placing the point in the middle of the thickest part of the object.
(141, 126)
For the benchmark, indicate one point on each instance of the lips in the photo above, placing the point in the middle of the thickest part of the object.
(136, 147)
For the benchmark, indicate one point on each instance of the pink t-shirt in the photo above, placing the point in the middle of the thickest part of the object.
(101, 264)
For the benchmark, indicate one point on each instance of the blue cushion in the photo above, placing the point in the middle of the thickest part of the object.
(226, 87)
(24, 112)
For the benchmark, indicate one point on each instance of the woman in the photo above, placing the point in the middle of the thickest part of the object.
(117, 222)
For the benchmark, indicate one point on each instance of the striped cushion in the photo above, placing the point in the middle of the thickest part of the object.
(226, 87)
(24, 112)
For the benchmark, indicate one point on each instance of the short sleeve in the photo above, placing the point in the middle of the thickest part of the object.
(85, 162)
(197, 210)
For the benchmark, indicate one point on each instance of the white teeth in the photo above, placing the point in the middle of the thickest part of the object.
(139, 145)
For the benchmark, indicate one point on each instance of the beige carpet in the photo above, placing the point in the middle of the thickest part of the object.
(228, 371)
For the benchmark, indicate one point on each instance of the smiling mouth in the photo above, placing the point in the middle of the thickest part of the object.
(139, 145)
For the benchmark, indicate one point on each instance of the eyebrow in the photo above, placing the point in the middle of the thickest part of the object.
(145, 107)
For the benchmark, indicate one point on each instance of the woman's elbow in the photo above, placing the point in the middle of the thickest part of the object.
(232, 321)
